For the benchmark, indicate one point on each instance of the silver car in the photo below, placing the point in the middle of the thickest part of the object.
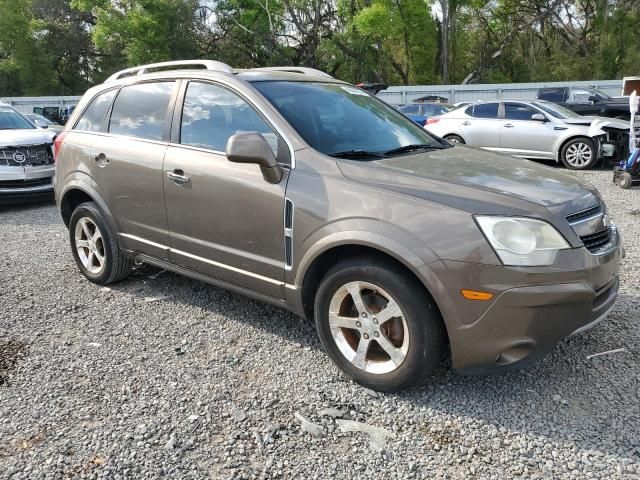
(26, 158)
(535, 130)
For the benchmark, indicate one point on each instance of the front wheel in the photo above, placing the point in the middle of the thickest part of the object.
(378, 325)
(578, 154)
(454, 139)
(624, 180)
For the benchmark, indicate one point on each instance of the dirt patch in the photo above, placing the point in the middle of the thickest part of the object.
(11, 352)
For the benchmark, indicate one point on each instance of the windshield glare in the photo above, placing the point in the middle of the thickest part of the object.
(10, 120)
(557, 111)
(336, 118)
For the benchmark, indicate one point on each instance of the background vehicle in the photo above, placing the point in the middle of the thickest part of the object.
(43, 122)
(421, 112)
(58, 115)
(309, 193)
(535, 130)
(587, 101)
(26, 158)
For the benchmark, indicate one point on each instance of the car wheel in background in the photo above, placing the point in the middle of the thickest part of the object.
(454, 139)
(95, 248)
(378, 325)
(578, 154)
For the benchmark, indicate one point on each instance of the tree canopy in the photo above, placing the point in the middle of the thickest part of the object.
(61, 47)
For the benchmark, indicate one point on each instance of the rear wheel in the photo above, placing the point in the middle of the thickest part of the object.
(578, 154)
(454, 139)
(378, 326)
(624, 180)
(95, 248)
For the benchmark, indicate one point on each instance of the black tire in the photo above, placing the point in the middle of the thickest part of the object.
(578, 143)
(624, 180)
(116, 266)
(427, 342)
(454, 139)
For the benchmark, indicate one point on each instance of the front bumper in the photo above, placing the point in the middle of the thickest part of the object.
(23, 184)
(532, 309)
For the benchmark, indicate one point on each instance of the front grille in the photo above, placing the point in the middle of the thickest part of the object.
(25, 156)
(31, 183)
(589, 212)
(595, 241)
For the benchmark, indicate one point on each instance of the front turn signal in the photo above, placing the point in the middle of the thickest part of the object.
(475, 295)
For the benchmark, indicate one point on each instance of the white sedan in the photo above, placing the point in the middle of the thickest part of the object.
(536, 130)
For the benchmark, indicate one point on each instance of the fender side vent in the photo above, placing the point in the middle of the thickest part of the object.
(288, 232)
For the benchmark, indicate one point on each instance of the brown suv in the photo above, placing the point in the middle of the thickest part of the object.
(304, 191)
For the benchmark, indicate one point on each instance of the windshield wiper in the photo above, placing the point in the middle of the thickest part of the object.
(413, 148)
(356, 154)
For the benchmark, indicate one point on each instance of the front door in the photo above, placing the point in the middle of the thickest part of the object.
(524, 137)
(225, 220)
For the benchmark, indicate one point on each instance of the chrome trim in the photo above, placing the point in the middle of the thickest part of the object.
(288, 232)
(145, 241)
(227, 267)
(586, 219)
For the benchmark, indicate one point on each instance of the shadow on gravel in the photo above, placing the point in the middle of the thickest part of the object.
(11, 352)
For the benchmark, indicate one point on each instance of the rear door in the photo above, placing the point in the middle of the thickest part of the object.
(127, 164)
(521, 136)
(225, 220)
(483, 128)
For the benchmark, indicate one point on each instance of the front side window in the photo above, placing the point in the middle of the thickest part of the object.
(485, 110)
(410, 109)
(338, 119)
(212, 114)
(91, 120)
(141, 110)
(515, 111)
(12, 120)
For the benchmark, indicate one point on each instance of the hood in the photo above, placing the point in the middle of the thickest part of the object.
(477, 181)
(25, 137)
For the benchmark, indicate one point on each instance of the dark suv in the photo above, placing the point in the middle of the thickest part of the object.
(307, 192)
(587, 101)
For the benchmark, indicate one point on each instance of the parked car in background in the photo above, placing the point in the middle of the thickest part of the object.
(587, 101)
(421, 112)
(42, 122)
(535, 130)
(26, 158)
(309, 193)
(58, 115)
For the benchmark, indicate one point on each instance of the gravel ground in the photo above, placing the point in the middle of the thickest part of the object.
(162, 376)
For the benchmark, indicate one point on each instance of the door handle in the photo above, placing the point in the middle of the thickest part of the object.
(178, 177)
(466, 123)
(509, 125)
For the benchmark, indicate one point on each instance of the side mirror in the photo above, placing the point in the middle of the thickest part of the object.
(538, 117)
(251, 147)
(44, 126)
(594, 99)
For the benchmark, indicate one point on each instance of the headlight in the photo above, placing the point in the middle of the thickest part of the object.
(523, 242)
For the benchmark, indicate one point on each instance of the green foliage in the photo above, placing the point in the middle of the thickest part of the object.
(64, 46)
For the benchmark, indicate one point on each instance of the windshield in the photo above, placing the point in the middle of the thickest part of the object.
(335, 118)
(557, 111)
(12, 120)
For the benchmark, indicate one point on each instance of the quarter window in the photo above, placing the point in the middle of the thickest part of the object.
(514, 111)
(141, 110)
(485, 110)
(91, 120)
(212, 114)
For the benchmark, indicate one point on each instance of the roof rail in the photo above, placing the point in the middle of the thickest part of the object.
(301, 70)
(197, 64)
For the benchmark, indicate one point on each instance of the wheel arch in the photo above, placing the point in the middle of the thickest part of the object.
(326, 259)
(564, 142)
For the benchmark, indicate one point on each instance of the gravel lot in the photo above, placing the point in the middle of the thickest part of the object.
(162, 376)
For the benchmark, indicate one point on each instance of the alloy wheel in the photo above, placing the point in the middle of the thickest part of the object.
(368, 327)
(579, 154)
(90, 245)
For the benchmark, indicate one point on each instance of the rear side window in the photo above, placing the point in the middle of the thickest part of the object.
(91, 120)
(410, 109)
(212, 114)
(141, 110)
(485, 110)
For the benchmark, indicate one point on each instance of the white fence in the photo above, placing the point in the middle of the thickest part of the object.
(397, 95)
(472, 93)
(26, 104)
